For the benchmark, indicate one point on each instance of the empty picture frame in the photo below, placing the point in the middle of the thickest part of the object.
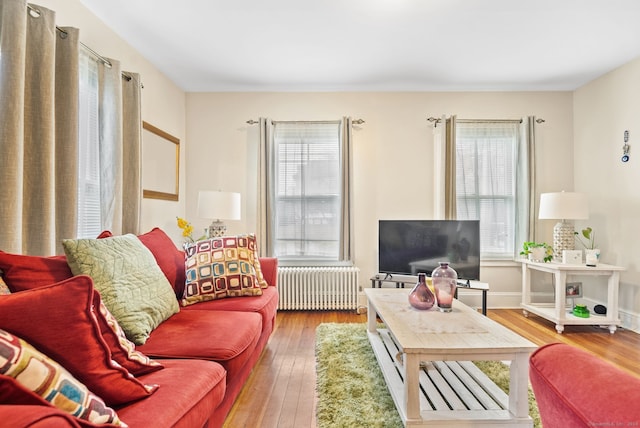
(160, 164)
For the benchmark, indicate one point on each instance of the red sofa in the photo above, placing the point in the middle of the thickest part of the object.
(575, 389)
(208, 350)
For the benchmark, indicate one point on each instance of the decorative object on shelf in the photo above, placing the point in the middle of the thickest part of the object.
(600, 309)
(217, 206)
(187, 230)
(573, 290)
(444, 280)
(625, 148)
(421, 296)
(566, 207)
(581, 311)
(592, 257)
(537, 251)
(572, 257)
(587, 240)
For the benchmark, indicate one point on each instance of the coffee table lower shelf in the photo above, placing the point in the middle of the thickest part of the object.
(452, 393)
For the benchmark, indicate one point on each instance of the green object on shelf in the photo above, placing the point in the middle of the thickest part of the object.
(581, 311)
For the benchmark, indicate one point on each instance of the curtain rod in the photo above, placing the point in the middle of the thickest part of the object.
(354, 121)
(36, 14)
(438, 120)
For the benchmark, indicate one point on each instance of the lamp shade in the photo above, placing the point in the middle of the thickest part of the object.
(563, 206)
(219, 205)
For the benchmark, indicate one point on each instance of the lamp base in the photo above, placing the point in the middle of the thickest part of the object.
(217, 229)
(563, 238)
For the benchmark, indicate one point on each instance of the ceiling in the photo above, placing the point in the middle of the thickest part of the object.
(378, 45)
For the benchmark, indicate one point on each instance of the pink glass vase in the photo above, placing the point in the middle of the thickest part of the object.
(421, 297)
(444, 282)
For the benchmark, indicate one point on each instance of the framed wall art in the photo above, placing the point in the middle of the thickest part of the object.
(160, 164)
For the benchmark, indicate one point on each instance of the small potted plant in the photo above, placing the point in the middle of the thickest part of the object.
(537, 252)
(586, 237)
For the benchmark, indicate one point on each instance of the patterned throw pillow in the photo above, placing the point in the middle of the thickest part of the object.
(60, 321)
(129, 280)
(220, 267)
(3, 287)
(253, 244)
(123, 351)
(36, 372)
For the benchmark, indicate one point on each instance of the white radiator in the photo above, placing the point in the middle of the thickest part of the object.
(318, 288)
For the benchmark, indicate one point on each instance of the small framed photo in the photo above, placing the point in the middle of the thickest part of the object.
(573, 290)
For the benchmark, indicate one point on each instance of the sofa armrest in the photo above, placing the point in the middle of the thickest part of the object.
(36, 416)
(574, 388)
(269, 266)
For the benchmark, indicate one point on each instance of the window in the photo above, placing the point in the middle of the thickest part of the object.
(486, 159)
(307, 190)
(89, 214)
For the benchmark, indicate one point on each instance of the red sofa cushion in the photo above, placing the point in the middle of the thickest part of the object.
(208, 335)
(58, 320)
(28, 272)
(35, 416)
(269, 267)
(190, 390)
(266, 305)
(576, 389)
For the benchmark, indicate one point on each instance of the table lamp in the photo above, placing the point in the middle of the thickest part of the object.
(218, 206)
(566, 207)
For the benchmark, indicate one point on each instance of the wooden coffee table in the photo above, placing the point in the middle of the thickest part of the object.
(426, 358)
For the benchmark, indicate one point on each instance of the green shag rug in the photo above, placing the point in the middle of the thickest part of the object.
(350, 386)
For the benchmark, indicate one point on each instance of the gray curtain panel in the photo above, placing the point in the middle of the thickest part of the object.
(39, 87)
(131, 152)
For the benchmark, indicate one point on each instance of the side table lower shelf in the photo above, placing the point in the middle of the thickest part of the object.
(556, 312)
(548, 311)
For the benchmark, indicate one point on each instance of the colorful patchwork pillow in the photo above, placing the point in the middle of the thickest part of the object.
(59, 321)
(220, 267)
(4, 289)
(253, 243)
(23, 366)
(129, 280)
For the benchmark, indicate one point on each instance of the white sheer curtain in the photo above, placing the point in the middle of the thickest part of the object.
(486, 170)
(39, 131)
(315, 213)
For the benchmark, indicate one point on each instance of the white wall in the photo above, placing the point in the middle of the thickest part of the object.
(163, 103)
(603, 110)
(392, 155)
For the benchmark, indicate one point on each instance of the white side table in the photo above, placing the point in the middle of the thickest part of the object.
(556, 312)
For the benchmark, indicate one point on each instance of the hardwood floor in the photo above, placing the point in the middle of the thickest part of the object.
(281, 390)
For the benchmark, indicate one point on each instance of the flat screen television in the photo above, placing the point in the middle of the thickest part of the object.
(410, 247)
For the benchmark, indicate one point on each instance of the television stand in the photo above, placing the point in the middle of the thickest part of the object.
(400, 281)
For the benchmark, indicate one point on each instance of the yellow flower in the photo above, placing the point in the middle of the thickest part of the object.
(187, 230)
(182, 223)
